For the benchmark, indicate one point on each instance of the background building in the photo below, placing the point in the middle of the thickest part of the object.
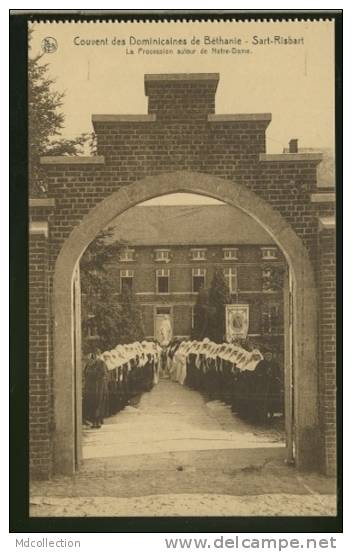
(170, 252)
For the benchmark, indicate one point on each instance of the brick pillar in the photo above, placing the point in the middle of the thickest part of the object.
(39, 399)
(327, 346)
(178, 97)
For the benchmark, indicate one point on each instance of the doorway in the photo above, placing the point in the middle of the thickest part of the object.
(300, 310)
(163, 324)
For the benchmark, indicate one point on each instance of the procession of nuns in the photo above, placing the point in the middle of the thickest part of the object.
(250, 381)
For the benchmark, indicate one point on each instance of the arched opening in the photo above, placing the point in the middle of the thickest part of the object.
(300, 310)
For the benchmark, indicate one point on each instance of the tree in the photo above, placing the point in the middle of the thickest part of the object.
(100, 311)
(219, 296)
(111, 318)
(131, 323)
(45, 121)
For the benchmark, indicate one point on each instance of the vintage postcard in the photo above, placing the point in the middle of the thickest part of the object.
(182, 268)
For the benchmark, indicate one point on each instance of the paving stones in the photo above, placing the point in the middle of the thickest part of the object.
(186, 505)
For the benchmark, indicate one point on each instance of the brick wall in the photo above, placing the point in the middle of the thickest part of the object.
(178, 135)
(40, 399)
(183, 99)
(135, 150)
(327, 336)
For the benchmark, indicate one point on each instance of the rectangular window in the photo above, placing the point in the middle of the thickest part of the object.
(198, 279)
(92, 331)
(163, 310)
(271, 319)
(269, 253)
(198, 254)
(162, 255)
(162, 281)
(230, 253)
(269, 282)
(274, 312)
(126, 280)
(127, 255)
(192, 317)
(231, 279)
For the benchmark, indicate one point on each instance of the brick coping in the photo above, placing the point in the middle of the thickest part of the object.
(289, 157)
(212, 118)
(322, 197)
(111, 118)
(181, 77)
(40, 227)
(41, 202)
(327, 223)
(240, 117)
(71, 160)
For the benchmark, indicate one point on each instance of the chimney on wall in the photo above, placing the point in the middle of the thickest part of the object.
(293, 145)
(180, 96)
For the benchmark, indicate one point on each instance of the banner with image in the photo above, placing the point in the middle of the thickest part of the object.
(237, 321)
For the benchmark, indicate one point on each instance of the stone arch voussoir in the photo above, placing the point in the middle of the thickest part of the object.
(237, 195)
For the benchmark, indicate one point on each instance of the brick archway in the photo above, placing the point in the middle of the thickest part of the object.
(303, 304)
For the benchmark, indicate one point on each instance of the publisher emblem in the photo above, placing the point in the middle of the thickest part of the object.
(49, 45)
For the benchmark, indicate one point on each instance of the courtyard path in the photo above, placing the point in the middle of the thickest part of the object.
(175, 453)
(173, 418)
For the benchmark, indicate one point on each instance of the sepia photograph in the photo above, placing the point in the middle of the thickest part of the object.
(182, 273)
